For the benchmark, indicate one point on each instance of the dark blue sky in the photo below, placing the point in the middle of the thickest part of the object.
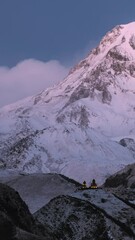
(57, 29)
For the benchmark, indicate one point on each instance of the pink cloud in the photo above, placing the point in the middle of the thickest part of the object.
(27, 78)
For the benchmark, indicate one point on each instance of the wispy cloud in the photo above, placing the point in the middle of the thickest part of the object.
(27, 78)
(85, 51)
(82, 53)
(32, 76)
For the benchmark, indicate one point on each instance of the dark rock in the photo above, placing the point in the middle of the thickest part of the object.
(115, 54)
(129, 143)
(7, 227)
(16, 222)
(132, 41)
(73, 219)
(80, 92)
(117, 180)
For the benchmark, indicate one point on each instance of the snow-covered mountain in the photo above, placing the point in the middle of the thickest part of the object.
(77, 127)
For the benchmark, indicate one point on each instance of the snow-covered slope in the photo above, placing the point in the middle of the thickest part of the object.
(75, 128)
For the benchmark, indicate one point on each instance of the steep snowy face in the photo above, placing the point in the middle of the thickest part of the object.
(77, 125)
(111, 63)
(105, 75)
(122, 35)
(103, 84)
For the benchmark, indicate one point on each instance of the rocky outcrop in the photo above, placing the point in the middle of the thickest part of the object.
(122, 184)
(89, 214)
(73, 219)
(124, 178)
(16, 222)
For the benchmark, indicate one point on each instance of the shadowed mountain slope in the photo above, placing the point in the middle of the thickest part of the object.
(16, 222)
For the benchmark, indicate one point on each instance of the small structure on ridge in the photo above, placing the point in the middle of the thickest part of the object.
(84, 185)
(93, 184)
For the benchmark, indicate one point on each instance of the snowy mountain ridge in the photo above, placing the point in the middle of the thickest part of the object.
(74, 126)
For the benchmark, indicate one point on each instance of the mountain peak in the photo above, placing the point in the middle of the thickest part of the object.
(121, 35)
(121, 39)
(129, 26)
(77, 125)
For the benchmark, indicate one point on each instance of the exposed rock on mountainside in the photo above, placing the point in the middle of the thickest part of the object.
(129, 143)
(124, 178)
(77, 125)
(122, 184)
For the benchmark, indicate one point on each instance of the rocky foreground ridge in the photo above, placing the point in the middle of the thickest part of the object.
(96, 214)
(16, 221)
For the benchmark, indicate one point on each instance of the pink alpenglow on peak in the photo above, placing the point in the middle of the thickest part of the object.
(77, 127)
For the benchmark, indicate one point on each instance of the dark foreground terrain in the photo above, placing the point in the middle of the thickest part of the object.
(90, 214)
(16, 221)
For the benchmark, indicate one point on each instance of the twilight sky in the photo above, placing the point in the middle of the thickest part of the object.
(41, 39)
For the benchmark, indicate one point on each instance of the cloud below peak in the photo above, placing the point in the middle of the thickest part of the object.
(27, 78)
